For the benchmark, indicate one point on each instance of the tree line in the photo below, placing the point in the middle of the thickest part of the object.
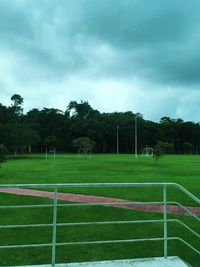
(37, 129)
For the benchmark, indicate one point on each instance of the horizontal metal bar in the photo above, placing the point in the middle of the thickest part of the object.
(14, 226)
(110, 203)
(109, 241)
(27, 206)
(98, 223)
(185, 242)
(109, 222)
(26, 246)
(84, 243)
(80, 204)
(100, 204)
(69, 185)
(100, 242)
(108, 185)
(85, 185)
(78, 224)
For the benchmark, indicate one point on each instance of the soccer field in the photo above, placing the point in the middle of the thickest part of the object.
(105, 169)
(184, 170)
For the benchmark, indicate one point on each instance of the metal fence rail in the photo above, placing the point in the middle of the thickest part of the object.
(54, 225)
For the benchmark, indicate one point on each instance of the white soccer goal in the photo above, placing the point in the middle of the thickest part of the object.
(147, 151)
(50, 153)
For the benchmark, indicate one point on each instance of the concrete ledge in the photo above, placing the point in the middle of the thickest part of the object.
(152, 262)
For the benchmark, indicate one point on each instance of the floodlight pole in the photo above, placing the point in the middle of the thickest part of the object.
(117, 140)
(136, 141)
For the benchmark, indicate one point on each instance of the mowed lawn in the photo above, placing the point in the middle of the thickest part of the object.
(184, 170)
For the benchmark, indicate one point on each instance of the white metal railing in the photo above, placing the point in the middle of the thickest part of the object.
(56, 205)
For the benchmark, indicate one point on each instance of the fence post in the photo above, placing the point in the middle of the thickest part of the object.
(165, 220)
(54, 227)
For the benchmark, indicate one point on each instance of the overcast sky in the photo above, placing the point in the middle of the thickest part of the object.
(119, 55)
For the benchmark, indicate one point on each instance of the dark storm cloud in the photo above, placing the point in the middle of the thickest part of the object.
(33, 31)
(160, 39)
(144, 50)
(13, 23)
(154, 40)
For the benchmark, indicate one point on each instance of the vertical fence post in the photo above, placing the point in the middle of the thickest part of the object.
(54, 227)
(165, 219)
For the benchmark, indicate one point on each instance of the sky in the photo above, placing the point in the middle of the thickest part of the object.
(119, 55)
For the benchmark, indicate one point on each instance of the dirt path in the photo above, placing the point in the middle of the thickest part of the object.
(172, 209)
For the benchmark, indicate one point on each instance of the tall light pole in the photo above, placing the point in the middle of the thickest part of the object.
(136, 141)
(117, 140)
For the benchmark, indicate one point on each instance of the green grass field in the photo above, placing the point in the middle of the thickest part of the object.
(184, 170)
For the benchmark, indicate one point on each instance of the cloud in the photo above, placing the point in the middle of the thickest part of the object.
(119, 55)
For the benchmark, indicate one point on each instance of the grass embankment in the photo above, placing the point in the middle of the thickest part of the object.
(100, 168)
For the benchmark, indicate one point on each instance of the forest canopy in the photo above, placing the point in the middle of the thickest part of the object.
(29, 132)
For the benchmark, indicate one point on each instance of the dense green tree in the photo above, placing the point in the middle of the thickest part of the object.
(157, 152)
(80, 119)
(50, 122)
(83, 143)
(81, 110)
(165, 147)
(187, 148)
(17, 104)
(21, 137)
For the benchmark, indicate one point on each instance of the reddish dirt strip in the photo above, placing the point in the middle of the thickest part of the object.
(171, 209)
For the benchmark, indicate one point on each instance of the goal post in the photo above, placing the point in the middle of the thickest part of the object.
(49, 152)
(147, 151)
